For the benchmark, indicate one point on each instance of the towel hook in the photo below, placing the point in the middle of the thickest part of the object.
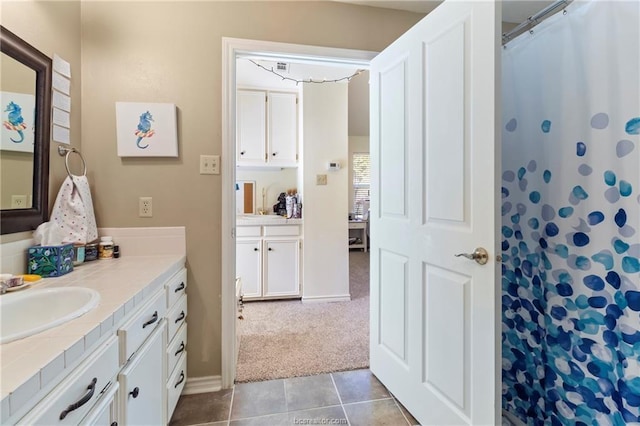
(66, 152)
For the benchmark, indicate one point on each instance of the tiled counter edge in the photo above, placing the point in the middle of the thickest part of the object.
(30, 368)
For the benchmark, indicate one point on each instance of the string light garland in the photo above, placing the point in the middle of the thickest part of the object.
(309, 80)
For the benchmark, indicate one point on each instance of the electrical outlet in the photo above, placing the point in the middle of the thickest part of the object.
(19, 202)
(145, 207)
(209, 164)
(321, 179)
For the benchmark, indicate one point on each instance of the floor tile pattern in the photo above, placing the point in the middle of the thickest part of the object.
(346, 398)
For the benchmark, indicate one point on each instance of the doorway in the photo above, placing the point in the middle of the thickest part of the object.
(233, 49)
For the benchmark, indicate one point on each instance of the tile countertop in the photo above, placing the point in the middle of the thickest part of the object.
(262, 220)
(31, 366)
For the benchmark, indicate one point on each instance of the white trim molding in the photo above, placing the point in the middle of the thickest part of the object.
(325, 299)
(233, 48)
(206, 384)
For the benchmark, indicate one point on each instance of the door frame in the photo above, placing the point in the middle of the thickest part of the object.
(232, 48)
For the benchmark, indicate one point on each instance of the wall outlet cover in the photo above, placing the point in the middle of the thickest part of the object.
(145, 207)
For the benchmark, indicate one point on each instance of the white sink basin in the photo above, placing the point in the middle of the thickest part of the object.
(31, 311)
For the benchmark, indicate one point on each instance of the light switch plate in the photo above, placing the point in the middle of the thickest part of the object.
(209, 164)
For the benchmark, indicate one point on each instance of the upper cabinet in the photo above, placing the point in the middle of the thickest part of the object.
(267, 128)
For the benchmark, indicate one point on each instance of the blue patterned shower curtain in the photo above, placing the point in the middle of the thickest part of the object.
(571, 218)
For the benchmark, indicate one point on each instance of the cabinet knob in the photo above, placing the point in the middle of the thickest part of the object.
(134, 393)
(242, 152)
(274, 154)
(256, 249)
(270, 249)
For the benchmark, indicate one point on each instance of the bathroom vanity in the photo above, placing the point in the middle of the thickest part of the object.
(268, 256)
(123, 362)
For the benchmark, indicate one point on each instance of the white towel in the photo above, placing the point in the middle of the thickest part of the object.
(73, 211)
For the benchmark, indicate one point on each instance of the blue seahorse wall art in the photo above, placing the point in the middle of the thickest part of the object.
(15, 121)
(144, 129)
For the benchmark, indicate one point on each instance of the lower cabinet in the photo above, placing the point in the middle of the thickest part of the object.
(106, 412)
(141, 387)
(269, 266)
(75, 396)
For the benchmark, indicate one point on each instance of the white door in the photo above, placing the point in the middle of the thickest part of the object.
(281, 272)
(283, 128)
(141, 386)
(251, 127)
(434, 328)
(249, 267)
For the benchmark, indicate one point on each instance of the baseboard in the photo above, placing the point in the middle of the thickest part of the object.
(322, 299)
(202, 385)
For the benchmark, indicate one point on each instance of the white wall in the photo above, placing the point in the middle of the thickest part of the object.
(325, 212)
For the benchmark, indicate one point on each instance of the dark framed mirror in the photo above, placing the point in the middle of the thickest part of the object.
(20, 63)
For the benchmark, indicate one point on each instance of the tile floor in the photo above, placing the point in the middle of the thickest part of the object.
(346, 398)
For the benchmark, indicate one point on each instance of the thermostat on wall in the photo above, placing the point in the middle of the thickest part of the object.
(333, 166)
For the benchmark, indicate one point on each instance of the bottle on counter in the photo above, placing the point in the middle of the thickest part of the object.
(90, 252)
(105, 248)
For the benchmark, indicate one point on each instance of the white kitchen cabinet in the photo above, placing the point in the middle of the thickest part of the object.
(176, 350)
(141, 387)
(280, 271)
(269, 264)
(106, 412)
(249, 266)
(267, 128)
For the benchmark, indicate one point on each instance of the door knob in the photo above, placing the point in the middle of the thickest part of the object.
(480, 255)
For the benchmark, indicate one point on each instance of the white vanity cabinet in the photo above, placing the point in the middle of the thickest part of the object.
(175, 366)
(267, 128)
(76, 395)
(141, 387)
(268, 261)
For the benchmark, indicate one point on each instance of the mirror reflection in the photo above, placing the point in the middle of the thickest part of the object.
(17, 102)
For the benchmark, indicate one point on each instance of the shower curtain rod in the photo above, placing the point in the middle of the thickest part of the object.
(533, 20)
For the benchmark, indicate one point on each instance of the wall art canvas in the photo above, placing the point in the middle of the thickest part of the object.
(18, 121)
(146, 129)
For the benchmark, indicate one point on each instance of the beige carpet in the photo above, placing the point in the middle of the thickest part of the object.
(280, 339)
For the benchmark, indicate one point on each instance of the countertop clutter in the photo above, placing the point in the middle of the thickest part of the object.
(31, 367)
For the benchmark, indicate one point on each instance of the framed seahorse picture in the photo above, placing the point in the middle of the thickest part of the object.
(146, 129)
(18, 121)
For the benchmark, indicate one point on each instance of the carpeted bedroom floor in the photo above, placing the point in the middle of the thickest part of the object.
(282, 339)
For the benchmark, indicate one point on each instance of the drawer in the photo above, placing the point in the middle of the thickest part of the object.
(176, 317)
(138, 328)
(84, 387)
(247, 231)
(284, 230)
(106, 410)
(175, 384)
(176, 287)
(176, 348)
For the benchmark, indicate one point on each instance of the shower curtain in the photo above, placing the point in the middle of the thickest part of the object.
(571, 218)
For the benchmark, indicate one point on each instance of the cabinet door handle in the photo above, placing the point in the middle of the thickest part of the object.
(180, 349)
(274, 154)
(114, 424)
(180, 317)
(91, 389)
(256, 249)
(180, 287)
(153, 319)
(270, 249)
(181, 379)
(242, 152)
(134, 393)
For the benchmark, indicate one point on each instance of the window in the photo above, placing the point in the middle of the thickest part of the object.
(361, 183)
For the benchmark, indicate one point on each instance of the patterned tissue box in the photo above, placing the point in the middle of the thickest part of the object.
(50, 261)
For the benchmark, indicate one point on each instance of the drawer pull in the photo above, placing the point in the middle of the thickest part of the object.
(91, 388)
(134, 393)
(153, 319)
(181, 379)
(180, 317)
(180, 349)
(180, 287)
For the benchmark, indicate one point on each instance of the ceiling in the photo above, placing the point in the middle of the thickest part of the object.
(513, 11)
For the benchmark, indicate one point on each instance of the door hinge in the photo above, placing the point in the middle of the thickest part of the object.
(300, 244)
(296, 101)
(233, 233)
(296, 157)
(266, 98)
(266, 156)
